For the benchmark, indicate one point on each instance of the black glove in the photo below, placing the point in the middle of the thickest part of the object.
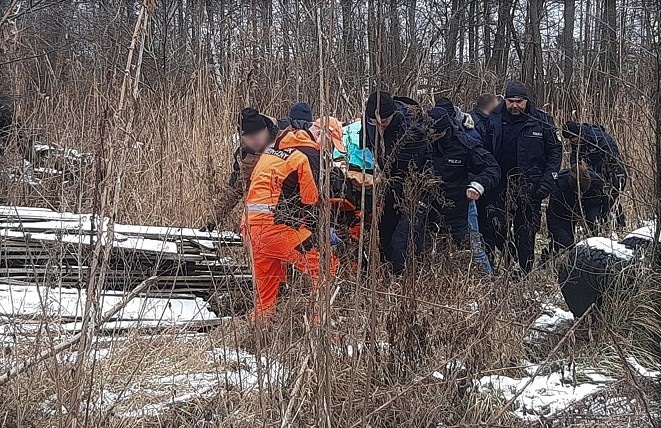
(306, 246)
(543, 191)
(209, 227)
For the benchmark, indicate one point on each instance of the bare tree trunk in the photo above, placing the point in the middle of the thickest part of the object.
(587, 32)
(394, 46)
(472, 32)
(655, 39)
(608, 57)
(501, 43)
(461, 19)
(486, 30)
(453, 33)
(569, 14)
(532, 64)
(608, 49)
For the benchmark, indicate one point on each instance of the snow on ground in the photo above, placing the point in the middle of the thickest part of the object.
(547, 394)
(149, 395)
(551, 393)
(450, 366)
(553, 318)
(642, 371)
(235, 370)
(609, 246)
(58, 302)
(645, 232)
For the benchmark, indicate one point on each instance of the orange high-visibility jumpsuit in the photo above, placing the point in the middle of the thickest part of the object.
(283, 188)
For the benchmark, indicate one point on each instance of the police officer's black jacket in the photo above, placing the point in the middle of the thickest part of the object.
(405, 141)
(564, 209)
(462, 162)
(564, 202)
(600, 152)
(538, 149)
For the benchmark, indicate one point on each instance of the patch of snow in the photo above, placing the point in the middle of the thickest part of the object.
(553, 318)
(96, 355)
(608, 246)
(645, 232)
(227, 369)
(196, 385)
(546, 394)
(642, 371)
(450, 366)
(25, 178)
(131, 243)
(20, 300)
(51, 171)
(358, 349)
(42, 147)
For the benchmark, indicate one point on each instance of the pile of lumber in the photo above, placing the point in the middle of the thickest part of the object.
(41, 247)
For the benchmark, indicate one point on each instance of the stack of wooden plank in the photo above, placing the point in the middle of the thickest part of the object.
(44, 247)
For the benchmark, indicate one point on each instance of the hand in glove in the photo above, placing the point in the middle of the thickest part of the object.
(543, 191)
(306, 246)
(334, 238)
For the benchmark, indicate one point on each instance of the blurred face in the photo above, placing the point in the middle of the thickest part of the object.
(381, 123)
(516, 106)
(257, 142)
(491, 106)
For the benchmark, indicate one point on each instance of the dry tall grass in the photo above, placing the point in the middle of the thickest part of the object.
(373, 365)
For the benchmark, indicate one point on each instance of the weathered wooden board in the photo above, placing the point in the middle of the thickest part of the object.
(41, 248)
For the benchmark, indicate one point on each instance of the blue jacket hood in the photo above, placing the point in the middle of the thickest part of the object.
(301, 111)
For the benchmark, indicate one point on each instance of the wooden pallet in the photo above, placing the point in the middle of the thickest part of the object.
(42, 247)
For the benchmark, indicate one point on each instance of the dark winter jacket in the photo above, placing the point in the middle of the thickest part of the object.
(459, 162)
(405, 142)
(289, 123)
(238, 182)
(480, 121)
(600, 152)
(564, 210)
(462, 162)
(537, 148)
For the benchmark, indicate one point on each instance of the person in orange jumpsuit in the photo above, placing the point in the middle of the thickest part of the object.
(282, 207)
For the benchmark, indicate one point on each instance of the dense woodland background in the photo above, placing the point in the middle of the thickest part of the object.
(192, 65)
(153, 90)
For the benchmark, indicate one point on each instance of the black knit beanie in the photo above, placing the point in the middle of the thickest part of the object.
(445, 104)
(251, 121)
(386, 105)
(516, 89)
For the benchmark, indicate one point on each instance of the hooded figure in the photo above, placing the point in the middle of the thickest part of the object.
(465, 169)
(301, 111)
(576, 199)
(300, 117)
(591, 144)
